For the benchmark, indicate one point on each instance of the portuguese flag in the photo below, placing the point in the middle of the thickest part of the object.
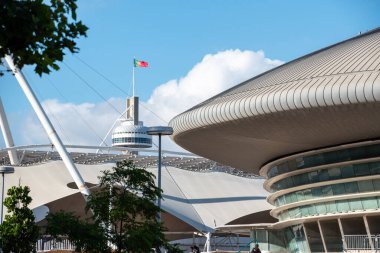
(141, 64)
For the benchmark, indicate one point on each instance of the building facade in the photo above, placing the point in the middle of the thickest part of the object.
(311, 127)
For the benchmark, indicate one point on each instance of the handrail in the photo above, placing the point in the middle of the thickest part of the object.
(248, 245)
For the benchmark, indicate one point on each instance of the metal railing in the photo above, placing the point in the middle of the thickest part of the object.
(49, 243)
(362, 242)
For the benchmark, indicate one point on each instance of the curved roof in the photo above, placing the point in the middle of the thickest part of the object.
(329, 97)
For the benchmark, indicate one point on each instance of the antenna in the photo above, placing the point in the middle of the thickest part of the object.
(133, 78)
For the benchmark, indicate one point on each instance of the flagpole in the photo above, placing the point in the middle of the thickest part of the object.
(133, 79)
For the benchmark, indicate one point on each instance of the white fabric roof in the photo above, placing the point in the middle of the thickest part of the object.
(202, 199)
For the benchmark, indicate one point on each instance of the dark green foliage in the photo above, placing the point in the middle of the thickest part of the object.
(18, 232)
(87, 237)
(173, 248)
(126, 204)
(35, 32)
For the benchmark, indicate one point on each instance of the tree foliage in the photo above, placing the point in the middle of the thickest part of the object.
(18, 232)
(36, 32)
(123, 211)
(126, 205)
(86, 236)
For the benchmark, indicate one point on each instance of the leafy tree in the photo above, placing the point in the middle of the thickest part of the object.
(124, 214)
(125, 204)
(18, 232)
(87, 237)
(38, 31)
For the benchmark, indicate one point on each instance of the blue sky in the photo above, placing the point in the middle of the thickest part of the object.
(174, 36)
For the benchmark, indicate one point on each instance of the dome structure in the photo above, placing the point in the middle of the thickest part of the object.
(328, 97)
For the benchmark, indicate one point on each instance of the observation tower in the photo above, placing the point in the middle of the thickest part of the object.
(132, 133)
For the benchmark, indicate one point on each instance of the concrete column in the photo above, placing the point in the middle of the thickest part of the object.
(368, 232)
(322, 236)
(252, 234)
(342, 233)
(306, 236)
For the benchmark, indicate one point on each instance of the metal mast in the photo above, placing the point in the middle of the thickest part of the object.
(7, 135)
(52, 134)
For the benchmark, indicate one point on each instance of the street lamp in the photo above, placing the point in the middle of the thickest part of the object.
(4, 170)
(159, 130)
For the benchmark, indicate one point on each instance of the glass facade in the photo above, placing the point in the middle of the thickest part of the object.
(337, 156)
(269, 240)
(355, 170)
(331, 207)
(132, 140)
(296, 240)
(328, 191)
(349, 171)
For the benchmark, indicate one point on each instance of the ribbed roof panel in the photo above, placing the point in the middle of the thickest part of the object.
(331, 96)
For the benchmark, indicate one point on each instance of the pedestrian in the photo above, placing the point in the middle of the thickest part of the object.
(256, 249)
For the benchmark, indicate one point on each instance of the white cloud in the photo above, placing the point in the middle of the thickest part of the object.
(82, 124)
(214, 74)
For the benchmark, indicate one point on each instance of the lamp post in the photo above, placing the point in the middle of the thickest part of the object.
(159, 131)
(4, 170)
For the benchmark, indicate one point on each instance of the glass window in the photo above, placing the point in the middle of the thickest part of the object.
(293, 213)
(327, 191)
(334, 173)
(330, 157)
(343, 155)
(304, 211)
(272, 172)
(338, 189)
(376, 184)
(288, 198)
(298, 180)
(342, 206)
(294, 197)
(312, 210)
(365, 186)
(357, 153)
(300, 162)
(347, 171)
(369, 203)
(375, 168)
(283, 168)
(361, 169)
(351, 187)
(326, 158)
(316, 192)
(300, 196)
(313, 177)
(355, 204)
(323, 175)
(307, 194)
(321, 208)
(331, 207)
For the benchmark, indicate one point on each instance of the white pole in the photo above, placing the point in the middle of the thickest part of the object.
(208, 242)
(133, 79)
(53, 136)
(2, 201)
(7, 135)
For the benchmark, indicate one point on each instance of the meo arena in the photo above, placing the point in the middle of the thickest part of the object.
(311, 127)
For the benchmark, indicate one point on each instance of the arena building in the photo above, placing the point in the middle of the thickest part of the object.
(311, 127)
